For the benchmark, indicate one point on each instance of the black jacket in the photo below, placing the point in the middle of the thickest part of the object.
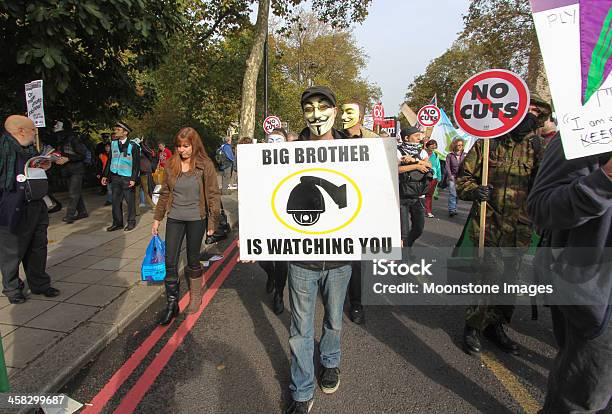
(71, 147)
(571, 204)
(12, 202)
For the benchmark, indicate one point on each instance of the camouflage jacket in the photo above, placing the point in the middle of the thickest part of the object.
(512, 169)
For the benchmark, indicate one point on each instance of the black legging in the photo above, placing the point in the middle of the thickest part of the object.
(278, 271)
(412, 220)
(176, 230)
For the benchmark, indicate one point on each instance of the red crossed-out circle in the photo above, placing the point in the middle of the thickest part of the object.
(429, 115)
(270, 123)
(508, 123)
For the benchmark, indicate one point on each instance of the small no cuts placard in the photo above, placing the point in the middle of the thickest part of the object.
(319, 200)
(429, 115)
(491, 103)
(34, 102)
(270, 123)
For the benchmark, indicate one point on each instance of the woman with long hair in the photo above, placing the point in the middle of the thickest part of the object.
(190, 197)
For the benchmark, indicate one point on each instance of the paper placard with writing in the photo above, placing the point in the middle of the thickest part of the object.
(34, 102)
(583, 109)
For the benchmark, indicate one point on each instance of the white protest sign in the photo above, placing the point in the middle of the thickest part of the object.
(319, 200)
(368, 121)
(585, 129)
(34, 102)
(491, 103)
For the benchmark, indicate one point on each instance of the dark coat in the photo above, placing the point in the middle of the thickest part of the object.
(12, 203)
(571, 204)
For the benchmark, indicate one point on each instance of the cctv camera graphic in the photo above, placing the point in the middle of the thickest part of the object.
(306, 203)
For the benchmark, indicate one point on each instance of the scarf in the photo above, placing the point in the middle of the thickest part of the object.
(9, 149)
(410, 148)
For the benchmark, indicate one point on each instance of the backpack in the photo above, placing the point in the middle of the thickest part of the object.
(414, 184)
(220, 157)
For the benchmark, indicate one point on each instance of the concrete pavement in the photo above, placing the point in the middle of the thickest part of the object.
(47, 340)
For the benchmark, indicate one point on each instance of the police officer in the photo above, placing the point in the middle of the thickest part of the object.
(514, 160)
(122, 169)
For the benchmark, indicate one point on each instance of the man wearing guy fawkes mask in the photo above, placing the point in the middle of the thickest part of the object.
(307, 278)
(352, 121)
(513, 162)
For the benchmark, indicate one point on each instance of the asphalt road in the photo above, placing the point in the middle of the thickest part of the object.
(235, 358)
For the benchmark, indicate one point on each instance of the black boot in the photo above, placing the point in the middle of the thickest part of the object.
(471, 341)
(278, 305)
(172, 298)
(496, 334)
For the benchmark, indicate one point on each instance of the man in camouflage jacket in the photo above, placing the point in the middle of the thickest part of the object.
(513, 163)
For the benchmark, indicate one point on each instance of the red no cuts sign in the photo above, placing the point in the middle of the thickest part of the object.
(491, 103)
(378, 113)
(429, 115)
(270, 123)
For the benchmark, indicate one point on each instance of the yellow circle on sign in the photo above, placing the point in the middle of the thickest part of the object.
(290, 227)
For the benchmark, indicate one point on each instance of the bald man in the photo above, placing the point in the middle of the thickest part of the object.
(23, 223)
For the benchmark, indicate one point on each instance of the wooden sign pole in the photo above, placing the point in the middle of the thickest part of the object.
(483, 205)
(37, 141)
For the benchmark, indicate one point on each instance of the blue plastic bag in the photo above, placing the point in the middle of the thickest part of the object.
(154, 264)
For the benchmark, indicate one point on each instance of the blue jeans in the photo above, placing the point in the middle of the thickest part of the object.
(452, 197)
(304, 285)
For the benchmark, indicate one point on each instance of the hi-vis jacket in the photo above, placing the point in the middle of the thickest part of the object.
(124, 160)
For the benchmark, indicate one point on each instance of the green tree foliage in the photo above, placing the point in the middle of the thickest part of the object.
(88, 52)
(336, 13)
(199, 84)
(496, 34)
(313, 53)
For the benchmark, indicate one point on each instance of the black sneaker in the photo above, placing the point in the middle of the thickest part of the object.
(68, 220)
(129, 227)
(300, 407)
(81, 216)
(17, 298)
(330, 380)
(471, 341)
(452, 213)
(357, 315)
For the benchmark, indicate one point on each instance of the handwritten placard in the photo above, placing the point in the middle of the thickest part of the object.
(34, 102)
(586, 129)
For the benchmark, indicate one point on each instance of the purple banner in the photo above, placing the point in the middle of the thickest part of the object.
(595, 44)
(543, 5)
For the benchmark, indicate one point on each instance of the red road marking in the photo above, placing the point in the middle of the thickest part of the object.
(124, 372)
(134, 396)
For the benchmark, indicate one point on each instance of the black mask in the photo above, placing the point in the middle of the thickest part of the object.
(529, 124)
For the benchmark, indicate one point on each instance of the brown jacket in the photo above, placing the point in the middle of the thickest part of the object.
(210, 196)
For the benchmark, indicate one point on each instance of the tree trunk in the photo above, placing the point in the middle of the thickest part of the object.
(249, 83)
